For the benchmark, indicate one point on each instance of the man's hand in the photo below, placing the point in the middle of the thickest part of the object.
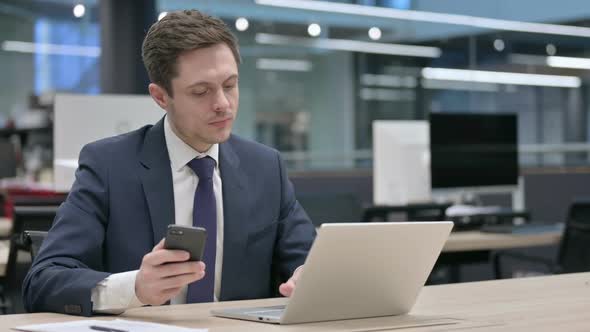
(163, 273)
(287, 288)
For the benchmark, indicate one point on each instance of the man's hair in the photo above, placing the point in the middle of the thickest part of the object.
(179, 32)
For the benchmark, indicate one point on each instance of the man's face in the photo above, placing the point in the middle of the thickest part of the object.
(205, 101)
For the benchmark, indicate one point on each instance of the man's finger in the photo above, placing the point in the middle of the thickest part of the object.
(166, 256)
(174, 269)
(286, 289)
(180, 280)
(160, 245)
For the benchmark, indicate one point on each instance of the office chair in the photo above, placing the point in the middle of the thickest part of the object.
(331, 207)
(33, 240)
(574, 251)
(30, 218)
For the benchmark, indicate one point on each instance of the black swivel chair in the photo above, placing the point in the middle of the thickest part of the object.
(334, 207)
(32, 219)
(574, 249)
(33, 240)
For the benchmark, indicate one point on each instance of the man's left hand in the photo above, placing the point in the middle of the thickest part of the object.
(287, 288)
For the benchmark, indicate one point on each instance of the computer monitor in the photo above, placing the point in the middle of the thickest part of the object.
(473, 150)
(81, 119)
(401, 162)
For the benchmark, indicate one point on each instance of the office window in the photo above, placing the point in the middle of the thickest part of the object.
(71, 60)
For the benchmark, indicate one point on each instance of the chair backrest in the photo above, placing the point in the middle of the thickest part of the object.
(574, 252)
(30, 218)
(326, 208)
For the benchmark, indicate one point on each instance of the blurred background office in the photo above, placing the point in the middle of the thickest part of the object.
(314, 78)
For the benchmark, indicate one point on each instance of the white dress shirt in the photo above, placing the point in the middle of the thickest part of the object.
(116, 293)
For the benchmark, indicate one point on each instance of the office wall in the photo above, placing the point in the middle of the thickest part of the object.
(549, 195)
(17, 81)
(332, 109)
(545, 115)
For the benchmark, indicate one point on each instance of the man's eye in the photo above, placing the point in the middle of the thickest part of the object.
(200, 93)
(229, 87)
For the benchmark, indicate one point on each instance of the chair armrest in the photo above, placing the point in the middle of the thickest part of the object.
(33, 241)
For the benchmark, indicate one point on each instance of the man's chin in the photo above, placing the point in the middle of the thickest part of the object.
(220, 138)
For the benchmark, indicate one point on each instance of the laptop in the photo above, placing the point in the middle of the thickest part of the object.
(358, 270)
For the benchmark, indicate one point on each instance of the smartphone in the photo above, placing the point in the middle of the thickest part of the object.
(191, 239)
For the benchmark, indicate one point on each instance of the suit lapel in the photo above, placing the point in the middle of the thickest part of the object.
(156, 179)
(235, 203)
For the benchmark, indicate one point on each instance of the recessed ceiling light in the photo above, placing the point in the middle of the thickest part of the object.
(242, 24)
(375, 33)
(314, 29)
(79, 10)
(499, 45)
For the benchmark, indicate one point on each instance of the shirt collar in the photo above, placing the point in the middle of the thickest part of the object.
(181, 153)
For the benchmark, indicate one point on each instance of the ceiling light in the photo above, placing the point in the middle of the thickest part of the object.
(350, 45)
(568, 62)
(57, 49)
(460, 86)
(242, 24)
(387, 94)
(394, 81)
(527, 59)
(162, 15)
(482, 76)
(432, 17)
(79, 10)
(314, 29)
(375, 33)
(499, 45)
(283, 64)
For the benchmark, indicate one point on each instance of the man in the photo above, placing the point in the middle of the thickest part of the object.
(105, 251)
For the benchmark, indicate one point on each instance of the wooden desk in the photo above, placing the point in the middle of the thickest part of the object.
(475, 247)
(475, 240)
(553, 303)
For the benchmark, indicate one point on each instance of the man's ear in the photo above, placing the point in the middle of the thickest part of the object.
(159, 95)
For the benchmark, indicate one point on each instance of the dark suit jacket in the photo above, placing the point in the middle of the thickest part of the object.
(122, 201)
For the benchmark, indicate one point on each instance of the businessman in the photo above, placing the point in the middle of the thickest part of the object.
(105, 253)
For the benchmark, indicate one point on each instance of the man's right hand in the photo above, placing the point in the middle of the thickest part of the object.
(163, 273)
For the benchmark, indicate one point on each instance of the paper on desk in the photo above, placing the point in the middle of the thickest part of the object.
(117, 324)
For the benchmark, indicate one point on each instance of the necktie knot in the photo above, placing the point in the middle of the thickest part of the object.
(203, 167)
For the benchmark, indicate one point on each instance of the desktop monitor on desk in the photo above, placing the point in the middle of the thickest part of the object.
(473, 150)
(81, 119)
(401, 162)
(473, 153)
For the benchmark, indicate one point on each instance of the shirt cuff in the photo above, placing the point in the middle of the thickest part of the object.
(115, 294)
